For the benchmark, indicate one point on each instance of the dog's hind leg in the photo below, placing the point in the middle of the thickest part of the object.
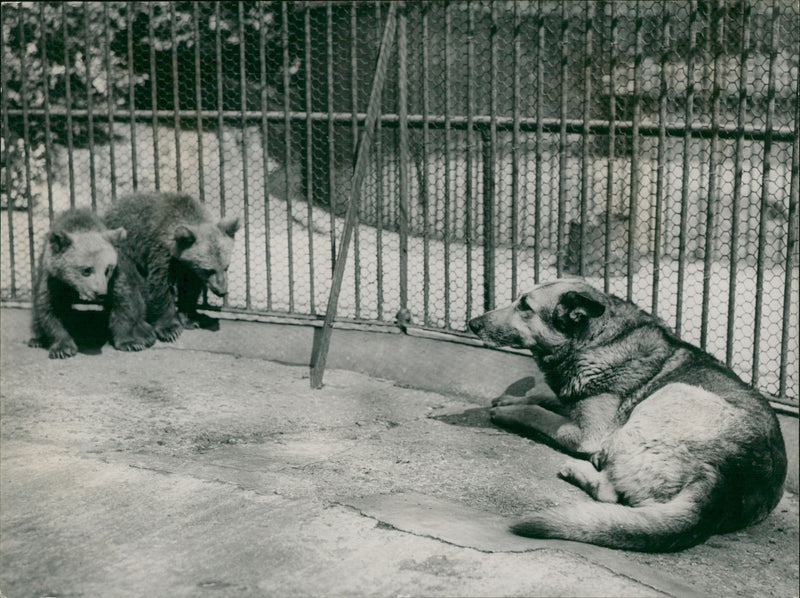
(595, 483)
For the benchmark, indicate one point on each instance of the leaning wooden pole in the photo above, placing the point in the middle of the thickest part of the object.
(322, 337)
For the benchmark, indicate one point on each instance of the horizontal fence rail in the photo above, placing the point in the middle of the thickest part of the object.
(650, 147)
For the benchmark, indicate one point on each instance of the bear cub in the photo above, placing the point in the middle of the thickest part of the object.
(77, 263)
(176, 250)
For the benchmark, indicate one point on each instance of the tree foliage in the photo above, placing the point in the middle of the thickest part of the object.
(60, 55)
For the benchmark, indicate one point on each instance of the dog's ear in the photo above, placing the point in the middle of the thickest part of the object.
(574, 310)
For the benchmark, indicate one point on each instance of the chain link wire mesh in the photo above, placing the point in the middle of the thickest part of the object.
(650, 147)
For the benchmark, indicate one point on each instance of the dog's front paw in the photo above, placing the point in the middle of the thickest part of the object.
(509, 400)
(63, 349)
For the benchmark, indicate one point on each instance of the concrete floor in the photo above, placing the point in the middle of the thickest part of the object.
(195, 469)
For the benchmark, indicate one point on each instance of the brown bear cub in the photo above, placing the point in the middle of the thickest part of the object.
(77, 263)
(176, 250)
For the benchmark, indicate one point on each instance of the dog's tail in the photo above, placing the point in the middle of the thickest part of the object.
(656, 527)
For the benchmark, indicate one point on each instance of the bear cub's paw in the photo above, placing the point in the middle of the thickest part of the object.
(197, 320)
(63, 349)
(169, 332)
(139, 338)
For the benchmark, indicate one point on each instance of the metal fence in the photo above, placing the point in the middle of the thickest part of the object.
(651, 147)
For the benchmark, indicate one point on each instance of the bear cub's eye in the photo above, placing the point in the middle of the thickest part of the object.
(208, 273)
(87, 271)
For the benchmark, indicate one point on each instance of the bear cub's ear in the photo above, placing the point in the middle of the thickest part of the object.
(59, 241)
(184, 237)
(115, 236)
(229, 226)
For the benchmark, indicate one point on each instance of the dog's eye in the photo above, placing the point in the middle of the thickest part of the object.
(87, 271)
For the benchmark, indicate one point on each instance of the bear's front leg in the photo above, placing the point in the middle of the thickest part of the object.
(127, 325)
(189, 288)
(50, 332)
(168, 326)
(162, 310)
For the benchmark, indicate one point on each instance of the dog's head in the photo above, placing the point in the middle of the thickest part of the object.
(544, 319)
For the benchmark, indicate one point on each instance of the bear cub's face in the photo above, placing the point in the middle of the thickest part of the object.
(84, 260)
(206, 249)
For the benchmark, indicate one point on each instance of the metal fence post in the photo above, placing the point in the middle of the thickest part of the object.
(322, 337)
(487, 150)
(402, 101)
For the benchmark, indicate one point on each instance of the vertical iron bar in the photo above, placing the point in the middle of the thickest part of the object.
(245, 189)
(662, 157)
(262, 61)
(110, 94)
(562, 144)
(220, 106)
(737, 183)
(176, 100)
(331, 138)
(634, 198)
(687, 141)
(717, 33)
(131, 91)
(10, 207)
(48, 134)
(153, 92)
(468, 217)
(489, 181)
(354, 116)
(68, 100)
(309, 157)
(89, 106)
(198, 99)
(791, 246)
(537, 208)
(287, 147)
(402, 83)
(488, 221)
(612, 130)
(426, 255)
(379, 187)
(515, 156)
(767, 169)
(26, 136)
(322, 340)
(220, 122)
(587, 99)
(447, 161)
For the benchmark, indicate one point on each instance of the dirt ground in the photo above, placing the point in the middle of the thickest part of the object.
(181, 471)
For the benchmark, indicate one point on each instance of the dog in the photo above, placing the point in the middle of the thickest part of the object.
(671, 444)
